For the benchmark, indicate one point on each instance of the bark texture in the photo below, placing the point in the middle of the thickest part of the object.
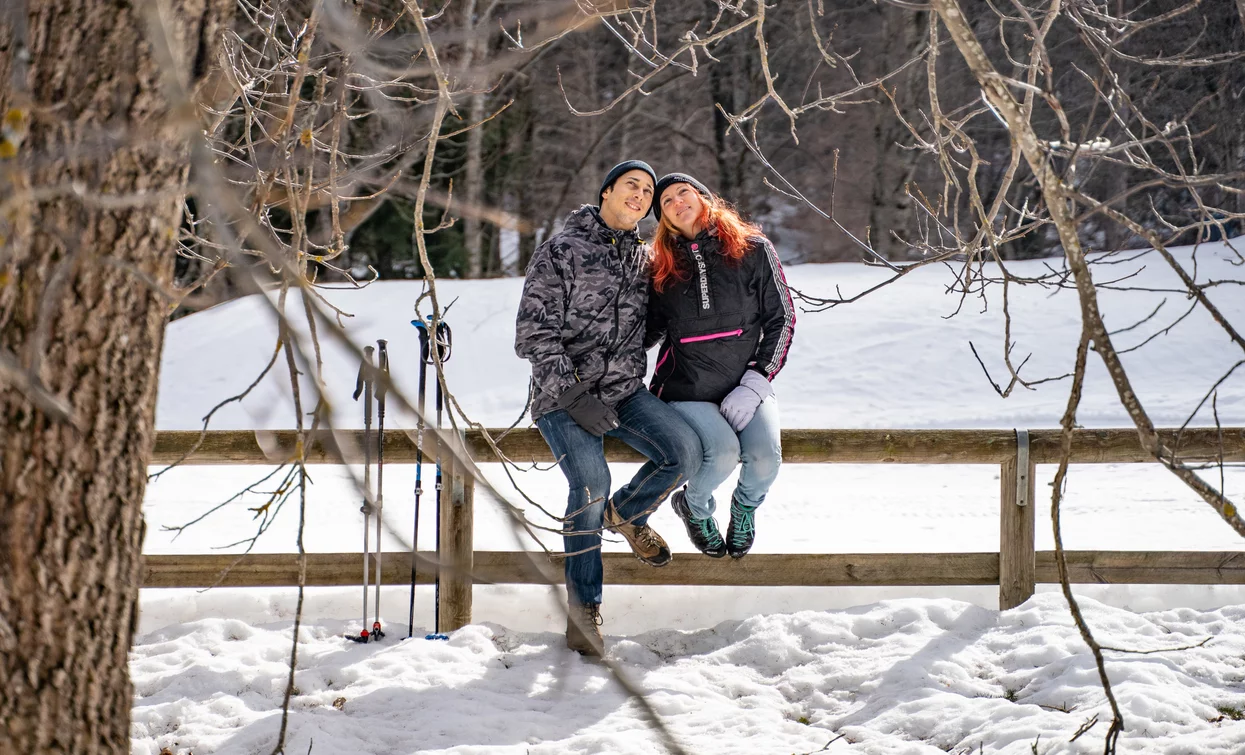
(891, 217)
(93, 198)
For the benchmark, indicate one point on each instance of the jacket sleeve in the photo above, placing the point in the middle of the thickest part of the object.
(538, 328)
(777, 313)
(655, 321)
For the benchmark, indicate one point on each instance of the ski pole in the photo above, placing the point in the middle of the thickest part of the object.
(419, 463)
(381, 390)
(441, 344)
(437, 587)
(363, 384)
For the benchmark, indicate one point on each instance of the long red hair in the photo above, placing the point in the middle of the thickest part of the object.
(717, 214)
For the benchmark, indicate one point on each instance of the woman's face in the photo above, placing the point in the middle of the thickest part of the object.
(682, 205)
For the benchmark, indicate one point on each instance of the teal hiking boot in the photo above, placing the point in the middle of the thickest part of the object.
(741, 532)
(702, 532)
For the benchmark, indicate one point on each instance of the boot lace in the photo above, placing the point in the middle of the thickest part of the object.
(708, 531)
(592, 612)
(647, 536)
(744, 526)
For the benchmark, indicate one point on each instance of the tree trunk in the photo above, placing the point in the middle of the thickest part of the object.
(473, 224)
(7, 34)
(520, 191)
(80, 309)
(891, 220)
(475, 47)
(719, 92)
(730, 84)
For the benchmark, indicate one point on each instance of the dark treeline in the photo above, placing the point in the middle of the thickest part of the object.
(515, 177)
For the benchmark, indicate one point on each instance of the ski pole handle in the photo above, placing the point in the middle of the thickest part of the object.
(424, 355)
(364, 379)
(383, 368)
(444, 340)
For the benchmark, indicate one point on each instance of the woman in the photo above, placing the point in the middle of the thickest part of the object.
(720, 306)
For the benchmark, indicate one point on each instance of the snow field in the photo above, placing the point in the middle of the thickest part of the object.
(897, 676)
(769, 670)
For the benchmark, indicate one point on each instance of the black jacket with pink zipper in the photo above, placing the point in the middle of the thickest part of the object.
(727, 317)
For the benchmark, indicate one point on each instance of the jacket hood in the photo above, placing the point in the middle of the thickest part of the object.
(587, 221)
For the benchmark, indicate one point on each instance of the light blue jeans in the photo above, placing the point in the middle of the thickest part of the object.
(757, 448)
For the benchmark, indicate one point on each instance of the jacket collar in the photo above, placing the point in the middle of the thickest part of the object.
(707, 236)
(586, 221)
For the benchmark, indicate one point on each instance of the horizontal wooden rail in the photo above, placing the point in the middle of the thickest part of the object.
(798, 446)
(1015, 569)
(757, 570)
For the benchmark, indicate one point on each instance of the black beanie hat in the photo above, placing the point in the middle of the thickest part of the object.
(621, 168)
(670, 179)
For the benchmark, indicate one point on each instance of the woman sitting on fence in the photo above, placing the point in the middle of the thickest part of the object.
(720, 306)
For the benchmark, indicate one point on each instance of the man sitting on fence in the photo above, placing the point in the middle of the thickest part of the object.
(581, 325)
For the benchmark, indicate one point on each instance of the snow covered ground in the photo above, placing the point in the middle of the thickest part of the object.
(900, 676)
(782, 670)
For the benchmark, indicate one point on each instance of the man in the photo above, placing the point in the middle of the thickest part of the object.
(581, 325)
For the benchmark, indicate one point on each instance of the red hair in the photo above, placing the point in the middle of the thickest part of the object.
(732, 231)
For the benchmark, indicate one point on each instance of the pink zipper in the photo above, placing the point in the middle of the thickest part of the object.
(662, 361)
(712, 336)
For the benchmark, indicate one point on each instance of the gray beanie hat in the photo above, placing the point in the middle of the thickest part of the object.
(670, 179)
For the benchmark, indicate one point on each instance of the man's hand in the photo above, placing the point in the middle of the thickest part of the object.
(588, 411)
(741, 403)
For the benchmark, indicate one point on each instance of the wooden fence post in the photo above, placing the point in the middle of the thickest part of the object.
(1016, 525)
(457, 543)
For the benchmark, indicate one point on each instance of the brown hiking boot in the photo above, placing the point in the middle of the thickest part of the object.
(583, 633)
(646, 544)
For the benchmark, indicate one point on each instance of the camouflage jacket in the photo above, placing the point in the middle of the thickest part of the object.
(583, 309)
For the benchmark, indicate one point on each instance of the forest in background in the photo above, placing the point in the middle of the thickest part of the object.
(541, 152)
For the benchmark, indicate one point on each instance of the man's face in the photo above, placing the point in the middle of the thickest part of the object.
(625, 204)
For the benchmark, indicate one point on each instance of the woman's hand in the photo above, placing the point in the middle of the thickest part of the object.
(741, 403)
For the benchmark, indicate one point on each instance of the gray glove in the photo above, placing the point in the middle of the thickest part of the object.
(741, 403)
(588, 411)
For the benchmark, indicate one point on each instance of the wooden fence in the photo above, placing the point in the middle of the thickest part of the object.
(1015, 568)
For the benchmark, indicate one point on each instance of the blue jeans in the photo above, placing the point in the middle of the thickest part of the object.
(650, 426)
(758, 448)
